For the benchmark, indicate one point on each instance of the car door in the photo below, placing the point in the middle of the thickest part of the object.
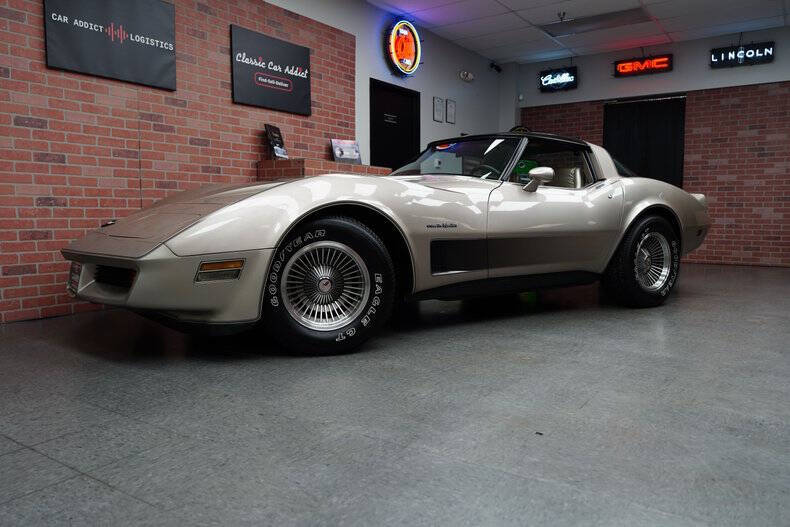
(569, 224)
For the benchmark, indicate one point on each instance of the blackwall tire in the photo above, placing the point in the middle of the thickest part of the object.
(330, 287)
(645, 267)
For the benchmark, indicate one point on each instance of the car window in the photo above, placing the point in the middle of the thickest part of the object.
(569, 161)
(482, 158)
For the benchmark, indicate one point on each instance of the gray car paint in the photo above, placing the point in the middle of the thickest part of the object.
(550, 230)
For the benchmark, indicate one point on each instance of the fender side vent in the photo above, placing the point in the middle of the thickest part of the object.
(448, 256)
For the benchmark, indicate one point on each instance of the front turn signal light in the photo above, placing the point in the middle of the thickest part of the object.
(222, 270)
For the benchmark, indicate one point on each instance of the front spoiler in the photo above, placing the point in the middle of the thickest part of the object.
(209, 329)
(165, 284)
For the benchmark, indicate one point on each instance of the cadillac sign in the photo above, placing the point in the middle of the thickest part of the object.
(747, 55)
(558, 79)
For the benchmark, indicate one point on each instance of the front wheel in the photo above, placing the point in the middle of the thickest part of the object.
(645, 267)
(330, 287)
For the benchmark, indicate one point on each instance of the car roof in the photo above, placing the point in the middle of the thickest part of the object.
(513, 134)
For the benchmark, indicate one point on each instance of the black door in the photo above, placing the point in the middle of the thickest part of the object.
(647, 136)
(394, 124)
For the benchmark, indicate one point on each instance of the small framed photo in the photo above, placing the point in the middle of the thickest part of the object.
(438, 109)
(450, 115)
(345, 151)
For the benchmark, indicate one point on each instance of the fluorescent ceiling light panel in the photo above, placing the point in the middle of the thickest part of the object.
(596, 22)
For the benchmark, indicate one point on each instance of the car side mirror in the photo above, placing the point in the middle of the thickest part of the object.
(537, 176)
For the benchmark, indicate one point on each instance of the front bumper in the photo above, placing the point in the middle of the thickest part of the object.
(164, 284)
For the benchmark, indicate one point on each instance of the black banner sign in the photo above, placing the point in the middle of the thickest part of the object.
(643, 66)
(269, 72)
(558, 79)
(130, 40)
(747, 55)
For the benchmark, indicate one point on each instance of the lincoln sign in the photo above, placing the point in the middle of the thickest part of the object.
(746, 55)
(269, 72)
(130, 40)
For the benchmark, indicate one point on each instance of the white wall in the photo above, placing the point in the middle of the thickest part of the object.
(691, 71)
(477, 103)
(508, 96)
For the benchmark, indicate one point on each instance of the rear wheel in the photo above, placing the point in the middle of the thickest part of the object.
(330, 287)
(644, 269)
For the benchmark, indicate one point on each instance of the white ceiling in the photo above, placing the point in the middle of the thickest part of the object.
(506, 30)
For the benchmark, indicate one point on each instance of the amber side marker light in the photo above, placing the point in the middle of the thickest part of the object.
(224, 270)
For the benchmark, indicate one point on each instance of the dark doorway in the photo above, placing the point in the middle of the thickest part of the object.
(394, 124)
(647, 136)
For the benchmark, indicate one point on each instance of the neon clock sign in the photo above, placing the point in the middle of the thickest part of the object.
(643, 65)
(403, 48)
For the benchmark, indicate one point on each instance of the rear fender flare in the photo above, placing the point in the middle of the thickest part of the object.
(641, 209)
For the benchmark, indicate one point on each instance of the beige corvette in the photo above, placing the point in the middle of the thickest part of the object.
(321, 261)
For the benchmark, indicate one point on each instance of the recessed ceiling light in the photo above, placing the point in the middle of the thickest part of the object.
(574, 26)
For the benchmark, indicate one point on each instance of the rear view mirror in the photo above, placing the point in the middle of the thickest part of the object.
(537, 176)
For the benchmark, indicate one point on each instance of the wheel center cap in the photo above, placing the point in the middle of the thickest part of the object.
(645, 261)
(325, 285)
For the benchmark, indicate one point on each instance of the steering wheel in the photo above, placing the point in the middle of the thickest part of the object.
(496, 171)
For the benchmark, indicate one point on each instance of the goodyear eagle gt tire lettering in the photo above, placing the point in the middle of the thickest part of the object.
(330, 287)
(645, 267)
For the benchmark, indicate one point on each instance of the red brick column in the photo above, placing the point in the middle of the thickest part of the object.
(737, 152)
(295, 168)
(76, 150)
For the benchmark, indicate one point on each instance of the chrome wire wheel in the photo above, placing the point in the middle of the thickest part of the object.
(653, 261)
(326, 285)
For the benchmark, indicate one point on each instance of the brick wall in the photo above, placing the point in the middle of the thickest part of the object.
(581, 119)
(271, 169)
(77, 150)
(737, 152)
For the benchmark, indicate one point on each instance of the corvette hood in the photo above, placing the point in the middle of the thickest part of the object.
(141, 232)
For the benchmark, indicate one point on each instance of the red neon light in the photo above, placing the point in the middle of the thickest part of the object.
(626, 68)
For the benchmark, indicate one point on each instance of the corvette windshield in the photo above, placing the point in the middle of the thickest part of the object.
(482, 158)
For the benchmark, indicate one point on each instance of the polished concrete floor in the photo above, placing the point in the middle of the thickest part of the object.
(514, 411)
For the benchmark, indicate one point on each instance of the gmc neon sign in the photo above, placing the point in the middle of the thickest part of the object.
(642, 66)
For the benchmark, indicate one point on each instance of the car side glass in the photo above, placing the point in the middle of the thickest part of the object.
(521, 170)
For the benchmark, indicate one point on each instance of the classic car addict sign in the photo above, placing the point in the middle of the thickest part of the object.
(269, 72)
(130, 40)
(748, 55)
(558, 79)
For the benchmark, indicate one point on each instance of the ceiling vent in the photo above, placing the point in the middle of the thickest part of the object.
(574, 26)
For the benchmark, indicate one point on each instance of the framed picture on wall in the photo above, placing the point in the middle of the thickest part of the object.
(345, 151)
(450, 116)
(268, 72)
(438, 109)
(117, 39)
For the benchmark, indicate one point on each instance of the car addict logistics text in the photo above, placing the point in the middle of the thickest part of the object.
(114, 33)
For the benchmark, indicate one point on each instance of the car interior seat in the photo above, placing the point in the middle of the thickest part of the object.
(567, 178)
